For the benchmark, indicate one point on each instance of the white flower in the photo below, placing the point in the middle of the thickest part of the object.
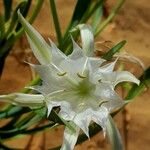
(79, 84)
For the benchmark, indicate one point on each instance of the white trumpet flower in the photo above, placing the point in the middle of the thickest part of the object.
(79, 84)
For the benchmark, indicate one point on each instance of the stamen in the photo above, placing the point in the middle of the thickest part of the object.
(102, 102)
(81, 76)
(61, 74)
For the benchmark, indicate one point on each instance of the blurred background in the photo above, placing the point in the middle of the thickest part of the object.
(132, 23)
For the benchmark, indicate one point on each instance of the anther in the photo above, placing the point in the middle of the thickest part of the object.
(61, 74)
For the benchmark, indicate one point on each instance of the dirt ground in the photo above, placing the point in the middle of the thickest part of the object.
(132, 24)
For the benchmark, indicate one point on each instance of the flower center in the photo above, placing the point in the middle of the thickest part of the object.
(84, 88)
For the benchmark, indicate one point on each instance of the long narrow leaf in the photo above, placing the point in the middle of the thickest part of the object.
(114, 50)
(8, 7)
(14, 18)
(24, 12)
(97, 17)
(2, 28)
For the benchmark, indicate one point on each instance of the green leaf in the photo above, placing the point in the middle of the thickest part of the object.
(8, 7)
(113, 135)
(144, 83)
(38, 45)
(80, 9)
(108, 55)
(24, 11)
(112, 14)
(12, 112)
(97, 17)
(56, 21)
(2, 28)
(14, 18)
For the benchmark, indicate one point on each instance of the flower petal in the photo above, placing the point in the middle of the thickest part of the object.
(109, 96)
(83, 120)
(97, 75)
(94, 63)
(100, 116)
(119, 76)
(87, 38)
(57, 55)
(38, 45)
(108, 67)
(26, 100)
(50, 80)
(66, 111)
(70, 138)
(77, 51)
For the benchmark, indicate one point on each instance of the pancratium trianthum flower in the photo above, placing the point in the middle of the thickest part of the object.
(79, 84)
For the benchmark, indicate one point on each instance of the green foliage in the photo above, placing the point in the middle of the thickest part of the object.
(10, 28)
(108, 55)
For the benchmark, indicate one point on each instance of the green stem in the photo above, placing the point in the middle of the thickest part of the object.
(110, 17)
(56, 21)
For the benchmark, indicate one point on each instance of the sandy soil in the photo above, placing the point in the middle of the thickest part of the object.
(131, 24)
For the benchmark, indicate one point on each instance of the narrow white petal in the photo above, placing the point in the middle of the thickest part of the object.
(38, 45)
(66, 111)
(108, 67)
(105, 92)
(50, 104)
(70, 138)
(97, 75)
(72, 67)
(57, 55)
(83, 120)
(50, 80)
(94, 63)
(119, 76)
(109, 96)
(100, 116)
(77, 51)
(87, 38)
(27, 100)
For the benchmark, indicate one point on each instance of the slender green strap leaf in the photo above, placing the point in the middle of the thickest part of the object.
(8, 7)
(112, 51)
(144, 83)
(12, 112)
(90, 10)
(56, 22)
(112, 14)
(113, 135)
(24, 12)
(97, 17)
(2, 28)
(14, 18)
(37, 8)
(80, 9)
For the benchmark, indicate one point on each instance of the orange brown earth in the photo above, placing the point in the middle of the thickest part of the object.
(132, 24)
